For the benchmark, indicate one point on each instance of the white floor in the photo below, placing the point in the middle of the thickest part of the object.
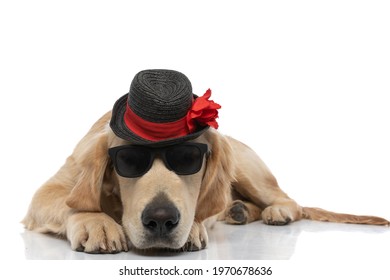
(301, 240)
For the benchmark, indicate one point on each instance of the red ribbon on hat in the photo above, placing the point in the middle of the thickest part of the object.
(203, 112)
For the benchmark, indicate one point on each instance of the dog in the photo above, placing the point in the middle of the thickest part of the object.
(116, 192)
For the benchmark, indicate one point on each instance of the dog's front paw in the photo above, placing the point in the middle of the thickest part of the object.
(95, 233)
(197, 239)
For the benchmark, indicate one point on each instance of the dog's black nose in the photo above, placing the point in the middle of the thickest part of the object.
(160, 220)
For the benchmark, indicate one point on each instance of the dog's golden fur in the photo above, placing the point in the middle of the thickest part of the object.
(99, 211)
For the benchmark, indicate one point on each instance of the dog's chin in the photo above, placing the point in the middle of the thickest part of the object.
(151, 242)
(159, 245)
(144, 240)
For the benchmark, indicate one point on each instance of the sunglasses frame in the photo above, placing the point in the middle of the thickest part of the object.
(158, 151)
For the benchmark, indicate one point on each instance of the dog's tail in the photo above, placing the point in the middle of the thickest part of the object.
(319, 214)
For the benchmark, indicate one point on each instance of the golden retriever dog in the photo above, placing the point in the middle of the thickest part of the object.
(100, 211)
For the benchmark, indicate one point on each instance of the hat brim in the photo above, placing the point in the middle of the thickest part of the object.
(120, 129)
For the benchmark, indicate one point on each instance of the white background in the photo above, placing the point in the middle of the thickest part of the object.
(304, 83)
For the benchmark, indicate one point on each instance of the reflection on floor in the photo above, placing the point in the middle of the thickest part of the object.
(249, 242)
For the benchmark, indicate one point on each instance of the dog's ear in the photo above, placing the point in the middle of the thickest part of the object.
(90, 160)
(219, 175)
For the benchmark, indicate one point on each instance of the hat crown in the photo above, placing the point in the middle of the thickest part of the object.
(160, 96)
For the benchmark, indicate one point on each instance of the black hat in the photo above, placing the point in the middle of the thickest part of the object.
(160, 109)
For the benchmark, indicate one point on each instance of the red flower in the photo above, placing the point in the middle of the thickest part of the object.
(203, 112)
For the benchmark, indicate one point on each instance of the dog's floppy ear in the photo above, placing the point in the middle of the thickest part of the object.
(218, 178)
(89, 160)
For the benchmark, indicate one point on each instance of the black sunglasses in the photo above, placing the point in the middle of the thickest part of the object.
(133, 161)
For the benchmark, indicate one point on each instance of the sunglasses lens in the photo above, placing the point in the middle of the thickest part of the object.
(133, 162)
(184, 160)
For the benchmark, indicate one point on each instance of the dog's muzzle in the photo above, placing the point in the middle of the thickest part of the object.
(161, 222)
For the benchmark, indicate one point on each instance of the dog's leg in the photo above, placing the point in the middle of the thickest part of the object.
(255, 183)
(91, 232)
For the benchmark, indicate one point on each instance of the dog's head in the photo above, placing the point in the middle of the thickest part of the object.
(158, 208)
